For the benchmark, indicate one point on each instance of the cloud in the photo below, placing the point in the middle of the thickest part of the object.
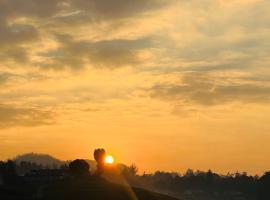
(204, 89)
(13, 37)
(101, 54)
(186, 35)
(26, 27)
(19, 21)
(117, 8)
(12, 116)
(92, 10)
(4, 78)
(30, 8)
(7, 78)
(177, 36)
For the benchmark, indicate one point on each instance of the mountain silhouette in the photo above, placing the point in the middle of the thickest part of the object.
(42, 159)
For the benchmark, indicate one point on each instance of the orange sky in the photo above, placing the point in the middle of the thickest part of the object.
(165, 84)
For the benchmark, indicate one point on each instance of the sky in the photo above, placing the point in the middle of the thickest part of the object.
(166, 84)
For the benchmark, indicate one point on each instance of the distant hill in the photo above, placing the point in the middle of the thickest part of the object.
(43, 159)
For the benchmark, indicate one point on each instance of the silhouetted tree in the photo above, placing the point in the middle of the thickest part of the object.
(1, 172)
(264, 187)
(24, 167)
(189, 173)
(209, 177)
(8, 171)
(99, 155)
(79, 168)
(133, 169)
(130, 171)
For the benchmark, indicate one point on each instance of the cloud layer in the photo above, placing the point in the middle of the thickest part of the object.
(15, 116)
(98, 52)
(207, 90)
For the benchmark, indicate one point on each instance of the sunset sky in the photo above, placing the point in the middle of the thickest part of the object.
(165, 84)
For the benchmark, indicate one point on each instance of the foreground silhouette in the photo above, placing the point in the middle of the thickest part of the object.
(72, 182)
(30, 180)
(264, 187)
(77, 188)
(99, 155)
(81, 189)
(79, 168)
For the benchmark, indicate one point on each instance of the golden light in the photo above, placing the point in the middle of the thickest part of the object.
(109, 159)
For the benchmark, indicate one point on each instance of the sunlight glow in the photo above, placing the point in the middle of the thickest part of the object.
(109, 159)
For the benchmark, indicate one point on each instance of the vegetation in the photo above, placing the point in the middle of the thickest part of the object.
(203, 185)
(74, 181)
(99, 155)
(79, 185)
(79, 168)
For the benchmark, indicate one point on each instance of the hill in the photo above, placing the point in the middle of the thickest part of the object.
(78, 189)
(42, 159)
(97, 190)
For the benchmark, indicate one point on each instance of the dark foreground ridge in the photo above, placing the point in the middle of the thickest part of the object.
(79, 189)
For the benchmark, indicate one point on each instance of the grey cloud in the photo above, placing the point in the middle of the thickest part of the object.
(73, 54)
(15, 53)
(206, 90)
(17, 33)
(224, 38)
(4, 78)
(7, 78)
(89, 9)
(102, 54)
(12, 116)
(30, 8)
(117, 8)
(111, 12)
(12, 39)
(46, 17)
(14, 34)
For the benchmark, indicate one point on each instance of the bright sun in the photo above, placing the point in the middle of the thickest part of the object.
(109, 159)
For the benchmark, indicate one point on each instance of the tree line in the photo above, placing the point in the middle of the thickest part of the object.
(191, 184)
(202, 185)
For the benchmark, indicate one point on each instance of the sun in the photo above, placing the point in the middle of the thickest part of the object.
(109, 159)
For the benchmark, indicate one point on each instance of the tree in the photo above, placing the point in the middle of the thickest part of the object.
(189, 173)
(209, 177)
(264, 187)
(99, 155)
(79, 168)
(132, 170)
(8, 171)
